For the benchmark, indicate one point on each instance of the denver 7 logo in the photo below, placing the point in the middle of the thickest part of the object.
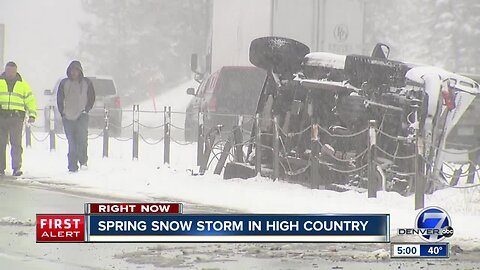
(435, 223)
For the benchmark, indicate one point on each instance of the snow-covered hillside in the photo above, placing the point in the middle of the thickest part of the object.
(152, 111)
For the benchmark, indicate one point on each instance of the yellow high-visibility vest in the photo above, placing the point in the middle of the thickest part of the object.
(20, 99)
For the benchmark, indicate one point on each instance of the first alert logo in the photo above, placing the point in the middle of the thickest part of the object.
(60, 228)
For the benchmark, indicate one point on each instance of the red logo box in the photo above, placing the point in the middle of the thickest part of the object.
(60, 228)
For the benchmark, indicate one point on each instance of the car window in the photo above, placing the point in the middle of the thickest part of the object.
(103, 87)
(239, 82)
(212, 81)
(238, 89)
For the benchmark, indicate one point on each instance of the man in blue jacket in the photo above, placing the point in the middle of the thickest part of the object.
(75, 98)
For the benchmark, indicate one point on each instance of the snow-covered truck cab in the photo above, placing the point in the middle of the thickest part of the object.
(451, 107)
(465, 135)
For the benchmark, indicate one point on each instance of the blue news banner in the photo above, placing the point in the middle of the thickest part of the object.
(239, 228)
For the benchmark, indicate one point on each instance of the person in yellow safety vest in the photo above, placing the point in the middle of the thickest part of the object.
(16, 100)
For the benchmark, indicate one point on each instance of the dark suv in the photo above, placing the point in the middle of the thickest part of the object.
(231, 91)
(106, 97)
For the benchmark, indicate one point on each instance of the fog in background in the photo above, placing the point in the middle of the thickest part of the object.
(38, 36)
(146, 44)
(445, 33)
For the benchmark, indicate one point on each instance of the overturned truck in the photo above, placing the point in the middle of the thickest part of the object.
(326, 120)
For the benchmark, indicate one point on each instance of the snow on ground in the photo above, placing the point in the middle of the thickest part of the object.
(152, 109)
(149, 178)
(175, 97)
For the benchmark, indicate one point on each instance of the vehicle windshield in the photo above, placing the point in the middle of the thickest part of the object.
(238, 89)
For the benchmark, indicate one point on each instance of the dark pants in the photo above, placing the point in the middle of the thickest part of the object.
(11, 126)
(77, 136)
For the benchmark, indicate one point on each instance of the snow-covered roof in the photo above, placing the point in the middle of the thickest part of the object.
(417, 74)
(325, 59)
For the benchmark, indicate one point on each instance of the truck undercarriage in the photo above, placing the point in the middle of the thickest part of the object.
(320, 105)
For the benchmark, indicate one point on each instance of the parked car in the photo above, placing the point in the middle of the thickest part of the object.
(106, 97)
(232, 90)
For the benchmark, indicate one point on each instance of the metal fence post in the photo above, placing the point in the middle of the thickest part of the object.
(136, 128)
(372, 178)
(28, 135)
(209, 143)
(258, 146)
(52, 128)
(238, 139)
(167, 116)
(200, 139)
(472, 168)
(314, 166)
(223, 157)
(276, 157)
(105, 133)
(419, 176)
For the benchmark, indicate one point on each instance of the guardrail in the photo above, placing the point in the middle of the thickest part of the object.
(323, 164)
(105, 133)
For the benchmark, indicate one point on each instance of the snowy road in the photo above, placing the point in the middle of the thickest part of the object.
(19, 202)
(18, 249)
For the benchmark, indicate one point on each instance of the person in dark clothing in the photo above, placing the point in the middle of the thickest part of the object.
(16, 100)
(75, 98)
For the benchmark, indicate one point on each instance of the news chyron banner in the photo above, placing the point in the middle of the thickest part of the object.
(165, 222)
